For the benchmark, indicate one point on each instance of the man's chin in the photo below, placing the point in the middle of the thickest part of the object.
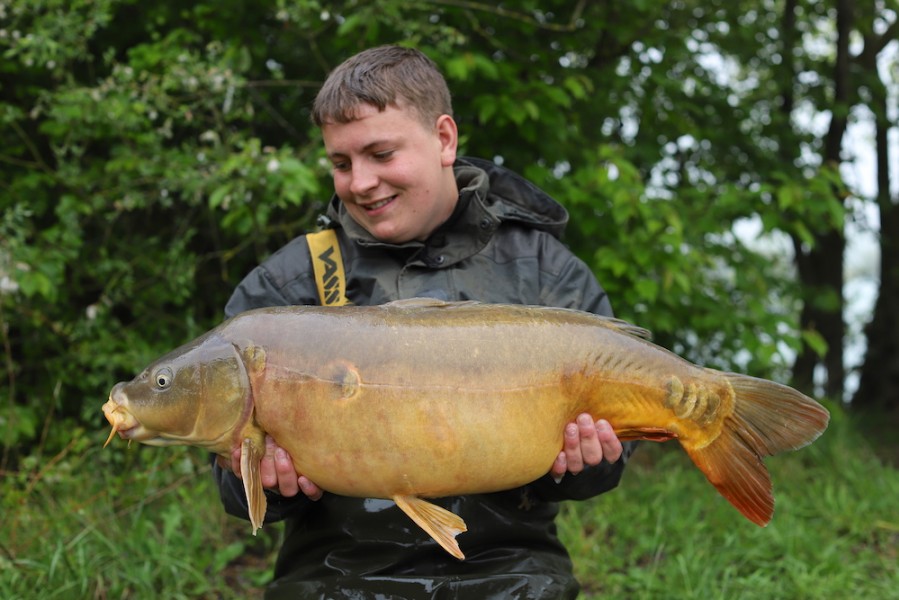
(390, 233)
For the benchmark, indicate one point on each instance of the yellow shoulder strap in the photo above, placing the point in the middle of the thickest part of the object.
(327, 265)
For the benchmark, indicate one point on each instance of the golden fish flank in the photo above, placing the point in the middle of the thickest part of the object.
(465, 398)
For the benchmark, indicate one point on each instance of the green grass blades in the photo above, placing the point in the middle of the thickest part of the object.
(125, 523)
(665, 533)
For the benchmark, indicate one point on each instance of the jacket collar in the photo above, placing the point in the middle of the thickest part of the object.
(488, 196)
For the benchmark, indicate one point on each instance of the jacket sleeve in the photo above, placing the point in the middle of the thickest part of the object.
(576, 287)
(284, 279)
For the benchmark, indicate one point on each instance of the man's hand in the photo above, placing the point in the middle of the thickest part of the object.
(277, 472)
(586, 444)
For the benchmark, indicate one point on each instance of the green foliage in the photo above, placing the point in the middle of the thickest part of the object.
(137, 191)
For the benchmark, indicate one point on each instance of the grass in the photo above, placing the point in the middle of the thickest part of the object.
(125, 523)
(146, 523)
(666, 533)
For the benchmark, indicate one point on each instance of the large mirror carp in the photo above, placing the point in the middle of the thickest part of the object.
(421, 399)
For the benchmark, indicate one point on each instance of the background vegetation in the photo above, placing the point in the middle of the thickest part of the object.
(152, 153)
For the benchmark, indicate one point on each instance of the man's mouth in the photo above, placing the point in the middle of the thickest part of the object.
(379, 204)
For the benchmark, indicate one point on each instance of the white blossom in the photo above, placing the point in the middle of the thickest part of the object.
(8, 285)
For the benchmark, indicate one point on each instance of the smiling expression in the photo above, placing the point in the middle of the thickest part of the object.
(394, 174)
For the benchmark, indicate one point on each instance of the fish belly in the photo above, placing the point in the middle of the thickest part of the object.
(422, 442)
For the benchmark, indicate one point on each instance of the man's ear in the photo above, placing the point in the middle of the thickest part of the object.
(448, 134)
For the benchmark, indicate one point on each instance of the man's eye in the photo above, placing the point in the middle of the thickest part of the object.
(341, 166)
(386, 155)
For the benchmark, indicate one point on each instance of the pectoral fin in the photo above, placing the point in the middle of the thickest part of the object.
(250, 458)
(439, 523)
(652, 434)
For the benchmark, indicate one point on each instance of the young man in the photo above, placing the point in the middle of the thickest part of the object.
(413, 220)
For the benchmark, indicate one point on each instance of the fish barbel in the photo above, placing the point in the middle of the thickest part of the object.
(421, 399)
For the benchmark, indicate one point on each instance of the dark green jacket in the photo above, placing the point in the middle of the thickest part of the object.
(500, 245)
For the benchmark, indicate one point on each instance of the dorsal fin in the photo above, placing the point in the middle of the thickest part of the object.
(416, 303)
(625, 327)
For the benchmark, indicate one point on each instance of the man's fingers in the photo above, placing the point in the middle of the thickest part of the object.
(572, 449)
(267, 465)
(611, 445)
(287, 475)
(223, 461)
(559, 468)
(310, 489)
(235, 462)
(591, 448)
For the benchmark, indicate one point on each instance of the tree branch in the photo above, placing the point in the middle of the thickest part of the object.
(874, 45)
(517, 15)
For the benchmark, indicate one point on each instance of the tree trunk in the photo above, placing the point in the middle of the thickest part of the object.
(879, 385)
(820, 268)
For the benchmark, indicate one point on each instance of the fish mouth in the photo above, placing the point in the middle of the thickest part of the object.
(127, 425)
(122, 421)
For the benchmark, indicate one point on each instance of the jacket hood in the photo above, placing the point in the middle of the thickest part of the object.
(517, 199)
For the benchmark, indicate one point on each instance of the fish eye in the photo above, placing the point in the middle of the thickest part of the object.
(163, 378)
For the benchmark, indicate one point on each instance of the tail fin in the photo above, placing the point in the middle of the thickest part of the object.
(768, 418)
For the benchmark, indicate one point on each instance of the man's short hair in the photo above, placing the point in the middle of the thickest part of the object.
(383, 76)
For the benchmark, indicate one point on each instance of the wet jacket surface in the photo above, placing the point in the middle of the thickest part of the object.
(500, 245)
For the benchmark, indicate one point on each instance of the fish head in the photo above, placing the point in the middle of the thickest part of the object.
(198, 395)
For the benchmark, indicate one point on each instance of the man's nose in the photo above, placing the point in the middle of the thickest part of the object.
(364, 178)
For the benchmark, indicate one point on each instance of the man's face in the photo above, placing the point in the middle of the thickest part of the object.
(393, 174)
